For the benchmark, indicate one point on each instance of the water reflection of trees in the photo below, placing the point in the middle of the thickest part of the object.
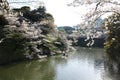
(112, 68)
(94, 56)
(108, 63)
(35, 70)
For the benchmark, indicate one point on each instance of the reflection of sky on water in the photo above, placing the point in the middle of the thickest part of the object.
(81, 66)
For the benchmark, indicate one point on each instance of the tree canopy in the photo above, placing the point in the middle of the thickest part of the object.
(36, 14)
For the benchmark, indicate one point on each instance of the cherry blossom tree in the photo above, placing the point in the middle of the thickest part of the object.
(96, 8)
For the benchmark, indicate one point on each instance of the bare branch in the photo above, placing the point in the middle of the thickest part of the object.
(97, 5)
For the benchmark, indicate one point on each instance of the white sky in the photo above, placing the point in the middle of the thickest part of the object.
(62, 14)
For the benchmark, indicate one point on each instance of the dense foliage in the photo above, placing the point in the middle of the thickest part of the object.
(13, 48)
(35, 15)
(112, 45)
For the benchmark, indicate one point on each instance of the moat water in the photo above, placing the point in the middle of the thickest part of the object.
(82, 64)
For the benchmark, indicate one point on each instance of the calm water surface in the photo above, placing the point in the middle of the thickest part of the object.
(83, 64)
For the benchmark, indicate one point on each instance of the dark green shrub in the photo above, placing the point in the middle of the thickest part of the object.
(35, 15)
(13, 48)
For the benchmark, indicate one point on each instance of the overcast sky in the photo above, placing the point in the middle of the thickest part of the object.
(62, 14)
